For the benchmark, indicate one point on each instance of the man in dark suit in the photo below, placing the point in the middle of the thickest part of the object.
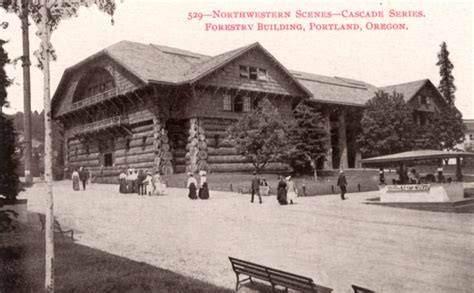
(342, 183)
(256, 187)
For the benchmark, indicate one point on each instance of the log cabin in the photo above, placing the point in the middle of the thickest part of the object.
(148, 106)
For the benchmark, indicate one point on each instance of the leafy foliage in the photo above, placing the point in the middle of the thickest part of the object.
(447, 129)
(57, 11)
(9, 180)
(4, 80)
(446, 84)
(308, 138)
(387, 126)
(260, 136)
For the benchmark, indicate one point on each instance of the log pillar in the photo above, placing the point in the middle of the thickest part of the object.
(328, 159)
(342, 140)
(196, 155)
(163, 156)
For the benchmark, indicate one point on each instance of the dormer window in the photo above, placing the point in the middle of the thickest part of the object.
(424, 100)
(253, 73)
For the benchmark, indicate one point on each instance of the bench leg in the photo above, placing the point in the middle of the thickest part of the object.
(237, 284)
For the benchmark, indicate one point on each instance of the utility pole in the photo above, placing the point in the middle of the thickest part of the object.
(26, 91)
(48, 150)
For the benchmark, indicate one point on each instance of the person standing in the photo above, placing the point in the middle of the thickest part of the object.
(381, 176)
(123, 182)
(129, 181)
(75, 180)
(147, 183)
(192, 185)
(203, 190)
(83, 176)
(342, 183)
(291, 190)
(255, 187)
(281, 191)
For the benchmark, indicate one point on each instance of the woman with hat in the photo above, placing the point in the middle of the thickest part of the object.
(192, 186)
(281, 191)
(291, 190)
(204, 190)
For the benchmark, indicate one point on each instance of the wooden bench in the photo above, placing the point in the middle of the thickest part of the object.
(358, 289)
(274, 277)
(57, 227)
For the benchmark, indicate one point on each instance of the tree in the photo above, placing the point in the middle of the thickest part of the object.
(260, 136)
(308, 138)
(387, 126)
(446, 129)
(446, 83)
(9, 180)
(47, 14)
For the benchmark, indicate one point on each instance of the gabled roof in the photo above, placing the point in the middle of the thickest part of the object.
(336, 90)
(408, 89)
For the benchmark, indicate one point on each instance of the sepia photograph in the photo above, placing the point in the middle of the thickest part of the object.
(236, 146)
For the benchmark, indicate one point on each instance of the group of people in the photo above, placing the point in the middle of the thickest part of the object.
(78, 176)
(141, 182)
(196, 190)
(286, 189)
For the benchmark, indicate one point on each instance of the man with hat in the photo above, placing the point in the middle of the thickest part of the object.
(342, 183)
(256, 187)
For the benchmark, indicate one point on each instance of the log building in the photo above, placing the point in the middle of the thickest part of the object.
(155, 107)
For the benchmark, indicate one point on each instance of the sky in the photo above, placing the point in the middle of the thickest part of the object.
(378, 57)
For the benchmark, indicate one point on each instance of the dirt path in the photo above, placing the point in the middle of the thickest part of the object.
(337, 243)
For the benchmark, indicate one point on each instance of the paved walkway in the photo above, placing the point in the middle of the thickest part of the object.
(337, 243)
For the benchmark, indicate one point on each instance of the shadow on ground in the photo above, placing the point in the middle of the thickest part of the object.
(81, 269)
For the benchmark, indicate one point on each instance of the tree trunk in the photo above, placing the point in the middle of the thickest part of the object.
(26, 92)
(48, 154)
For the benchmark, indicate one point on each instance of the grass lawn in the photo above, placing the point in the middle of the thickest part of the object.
(358, 180)
(81, 269)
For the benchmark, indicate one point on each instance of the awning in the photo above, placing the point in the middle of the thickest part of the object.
(417, 156)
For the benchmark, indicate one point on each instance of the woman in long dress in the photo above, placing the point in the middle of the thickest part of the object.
(75, 180)
(281, 191)
(192, 186)
(291, 190)
(204, 190)
(123, 182)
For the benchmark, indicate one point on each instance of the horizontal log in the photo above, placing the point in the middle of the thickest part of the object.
(227, 159)
(86, 156)
(221, 151)
(179, 153)
(135, 159)
(134, 151)
(142, 128)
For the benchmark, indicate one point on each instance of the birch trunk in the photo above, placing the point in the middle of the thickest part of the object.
(48, 157)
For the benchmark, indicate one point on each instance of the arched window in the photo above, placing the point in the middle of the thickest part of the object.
(94, 82)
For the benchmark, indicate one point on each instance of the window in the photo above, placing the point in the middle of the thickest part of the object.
(108, 160)
(424, 100)
(247, 104)
(127, 144)
(471, 136)
(244, 71)
(253, 73)
(262, 74)
(238, 104)
(227, 103)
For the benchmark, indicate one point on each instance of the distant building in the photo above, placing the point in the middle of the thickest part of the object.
(150, 106)
(468, 144)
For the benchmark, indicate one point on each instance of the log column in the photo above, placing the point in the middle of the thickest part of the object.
(163, 156)
(342, 140)
(196, 155)
(328, 159)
